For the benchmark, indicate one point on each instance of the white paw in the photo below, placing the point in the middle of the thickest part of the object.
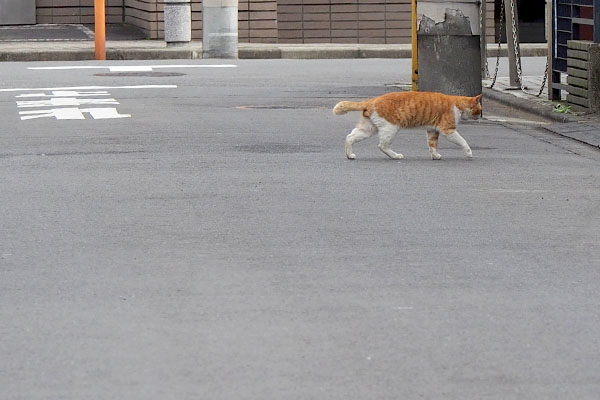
(436, 156)
(469, 153)
(351, 156)
(399, 156)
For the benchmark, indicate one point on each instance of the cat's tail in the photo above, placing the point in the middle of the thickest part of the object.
(344, 106)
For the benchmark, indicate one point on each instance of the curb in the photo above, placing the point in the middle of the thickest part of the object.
(111, 54)
(196, 53)
(151, 54)
(245, 51)
(527, 50)
(530, 106)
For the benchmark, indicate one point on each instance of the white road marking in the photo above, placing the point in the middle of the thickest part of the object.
(127, 68)
(73, 113)
(90, 88)
(140, 68)
(69, 99)
(64, 93)
(105, 113)
(63, 101)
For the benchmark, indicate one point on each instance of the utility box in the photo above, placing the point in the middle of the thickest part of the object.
(449, 52)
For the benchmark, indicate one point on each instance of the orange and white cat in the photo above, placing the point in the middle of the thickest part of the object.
(385, 115)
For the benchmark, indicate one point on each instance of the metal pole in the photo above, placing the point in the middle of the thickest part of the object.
(483, 40)
(596, 21)
(553, 77)
(549, 40)
(512, 39)
(100, 29)
(415, 47)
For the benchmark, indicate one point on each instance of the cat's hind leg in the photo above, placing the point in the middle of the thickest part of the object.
(364, 130)
(432, 140)
(387, 132)
(455, 138)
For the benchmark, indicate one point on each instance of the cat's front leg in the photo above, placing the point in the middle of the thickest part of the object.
(455, 138)
(432, 141)
(349, 154)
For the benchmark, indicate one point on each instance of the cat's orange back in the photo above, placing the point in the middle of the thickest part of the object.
(412, 109)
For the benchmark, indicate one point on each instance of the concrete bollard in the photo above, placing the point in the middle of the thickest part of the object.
(178, 22)
(220, 29)
(449, 49)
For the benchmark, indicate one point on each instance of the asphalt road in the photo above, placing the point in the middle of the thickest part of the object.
(215, 243)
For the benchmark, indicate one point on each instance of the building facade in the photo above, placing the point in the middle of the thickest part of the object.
(263, 21)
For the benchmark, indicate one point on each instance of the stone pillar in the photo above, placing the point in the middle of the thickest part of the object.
(594, 78)
(448, 36)
(220, 29)
(178, 22)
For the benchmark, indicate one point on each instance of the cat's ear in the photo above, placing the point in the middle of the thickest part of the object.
(477, 98)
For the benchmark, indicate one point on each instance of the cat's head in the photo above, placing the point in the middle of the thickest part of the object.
(472, 108)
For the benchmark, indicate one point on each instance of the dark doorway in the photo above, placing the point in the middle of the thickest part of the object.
(532, 21)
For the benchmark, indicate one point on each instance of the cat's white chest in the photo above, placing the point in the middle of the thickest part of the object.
(457, 114)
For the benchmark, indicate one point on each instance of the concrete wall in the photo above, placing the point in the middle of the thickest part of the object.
(258, 21)
(344, 21)
(350, 21)
(264, 21)
(257, 18)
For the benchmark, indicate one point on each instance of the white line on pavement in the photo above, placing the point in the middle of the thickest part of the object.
(92, 88)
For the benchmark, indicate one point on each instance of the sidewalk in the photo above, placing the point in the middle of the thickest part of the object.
(77, 50)
(75, 43)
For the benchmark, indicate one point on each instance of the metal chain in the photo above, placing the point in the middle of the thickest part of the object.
(516, 46)
(481, 17)
(544, 81)
(499, 44)
(517, 58)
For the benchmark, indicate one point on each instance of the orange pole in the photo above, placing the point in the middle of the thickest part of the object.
(100, 27)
